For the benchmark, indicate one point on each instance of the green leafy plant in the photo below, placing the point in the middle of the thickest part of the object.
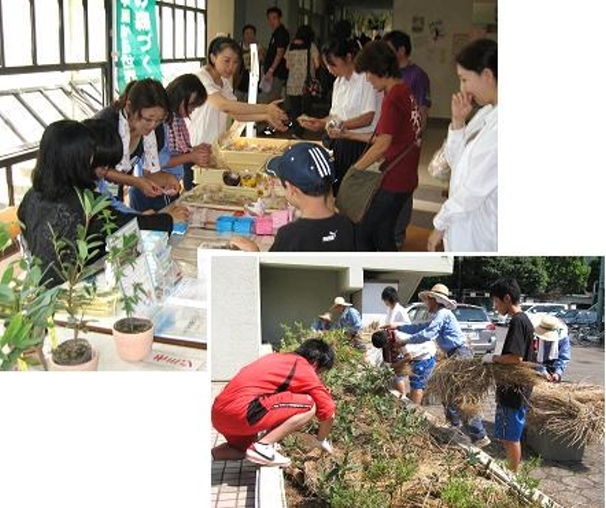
(73, 267)
(123, 256)
(26, 306)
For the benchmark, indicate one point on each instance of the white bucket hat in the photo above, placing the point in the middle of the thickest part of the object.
(339, 300)
(550, 328)
(440, 293)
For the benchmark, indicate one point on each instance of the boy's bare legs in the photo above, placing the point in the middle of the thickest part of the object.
(513, 451)
(289, 426)
(416, 396)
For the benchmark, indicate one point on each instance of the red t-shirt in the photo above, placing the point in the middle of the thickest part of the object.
(270, 374)
(401, 119)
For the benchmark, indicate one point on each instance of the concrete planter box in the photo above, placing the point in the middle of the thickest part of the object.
(551, 448)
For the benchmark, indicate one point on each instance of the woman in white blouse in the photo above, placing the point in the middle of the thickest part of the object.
(396, 314)
(467, 221)
(355, 105)
(209, 122)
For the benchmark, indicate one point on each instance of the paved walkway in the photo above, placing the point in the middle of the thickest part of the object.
(572, 484)
(232, 482)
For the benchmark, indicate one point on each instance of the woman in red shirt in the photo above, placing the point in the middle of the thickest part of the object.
(398, 128)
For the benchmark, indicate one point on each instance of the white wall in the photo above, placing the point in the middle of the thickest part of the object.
(436, 57)
(235, 314)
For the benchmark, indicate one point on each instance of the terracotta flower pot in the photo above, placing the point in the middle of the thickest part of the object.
(91, 365)
(133, 347)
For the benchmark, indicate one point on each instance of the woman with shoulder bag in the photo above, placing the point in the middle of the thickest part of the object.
(355, 106)
(467, 221)
(396, 142)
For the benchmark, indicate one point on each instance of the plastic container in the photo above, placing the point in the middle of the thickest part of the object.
(225, 224)
(264, 226)
(243, 225)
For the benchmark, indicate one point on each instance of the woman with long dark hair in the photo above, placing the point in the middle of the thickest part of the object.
(67, 162)
(137, 117)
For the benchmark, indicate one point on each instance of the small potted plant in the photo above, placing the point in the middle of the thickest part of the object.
(26, 306)
(73, 266)
(134, 336)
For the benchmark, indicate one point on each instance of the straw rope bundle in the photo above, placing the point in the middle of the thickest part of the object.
(574, 413)
(466, 381)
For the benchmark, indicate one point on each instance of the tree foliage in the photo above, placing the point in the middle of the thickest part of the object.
(536, 275)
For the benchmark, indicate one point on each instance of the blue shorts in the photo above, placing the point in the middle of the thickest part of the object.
(509, 423)
(421, 371)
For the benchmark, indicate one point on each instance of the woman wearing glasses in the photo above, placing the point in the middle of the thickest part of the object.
(185, 94)
(137, 116)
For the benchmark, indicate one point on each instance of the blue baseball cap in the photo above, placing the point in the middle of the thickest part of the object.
(305, 165)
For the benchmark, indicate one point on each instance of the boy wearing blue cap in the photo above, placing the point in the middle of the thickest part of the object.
(307, 174)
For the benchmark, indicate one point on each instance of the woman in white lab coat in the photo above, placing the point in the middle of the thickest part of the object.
(467, 221)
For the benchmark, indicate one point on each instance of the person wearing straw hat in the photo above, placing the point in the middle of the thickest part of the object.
(445, 329)
(510, 415)
(322, 322)
(553, 348)
(349, 320)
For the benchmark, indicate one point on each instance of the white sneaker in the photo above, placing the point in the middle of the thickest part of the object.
(266, 455)
(481, 443)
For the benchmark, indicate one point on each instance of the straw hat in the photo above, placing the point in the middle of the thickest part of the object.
(339, 300)
(441, 293)
(325, 316)
(550, 328)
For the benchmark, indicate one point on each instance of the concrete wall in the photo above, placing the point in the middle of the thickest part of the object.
(295, 294)
(235, 314)
(436, 56)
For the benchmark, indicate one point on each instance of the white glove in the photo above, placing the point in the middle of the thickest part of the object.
(488, 358)
(324, 445)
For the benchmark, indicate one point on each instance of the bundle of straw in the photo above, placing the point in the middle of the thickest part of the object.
(465, 382)
(573, 413)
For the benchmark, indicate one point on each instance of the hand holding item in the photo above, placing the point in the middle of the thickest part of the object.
(276, 117)
(488, 358)
(313, 124)
(434, 240)
(555, 378)
(149, 188)
(201, 155)
(324, 445)
(179, 213)
(461, 107)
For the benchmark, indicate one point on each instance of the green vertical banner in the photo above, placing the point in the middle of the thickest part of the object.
(138, 52)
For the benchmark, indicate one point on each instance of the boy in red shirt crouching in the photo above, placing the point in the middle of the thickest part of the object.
(275, 396)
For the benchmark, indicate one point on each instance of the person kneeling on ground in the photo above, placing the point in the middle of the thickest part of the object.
(553, 348)
(445, 329)
(277, 394)
(421, 357)
(307, 174)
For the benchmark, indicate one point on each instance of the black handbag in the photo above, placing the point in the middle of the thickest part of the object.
(358, 187)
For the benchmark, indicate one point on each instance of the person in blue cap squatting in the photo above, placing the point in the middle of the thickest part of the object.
(446, 331)
(307, 174)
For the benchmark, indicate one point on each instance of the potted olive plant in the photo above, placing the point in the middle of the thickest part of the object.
(73, 266)
(134, 336)
(26, 306)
